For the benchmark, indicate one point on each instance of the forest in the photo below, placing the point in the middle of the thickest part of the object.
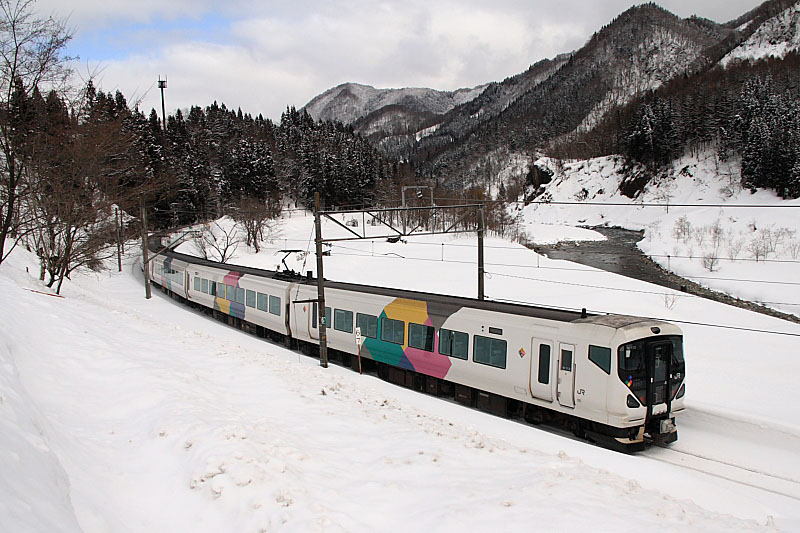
(751, 111)
(81, 169)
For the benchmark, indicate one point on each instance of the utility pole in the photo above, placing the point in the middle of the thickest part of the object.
(323, 335)
(480, 254)
(145, 258)
(119, 239)
(162, 84)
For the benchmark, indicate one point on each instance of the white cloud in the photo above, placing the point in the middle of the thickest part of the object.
(272, 54)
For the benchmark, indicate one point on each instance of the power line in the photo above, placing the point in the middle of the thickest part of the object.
(687, 322)
(600, 287)
(679, 295)
(363, 253)
(596, 252)
(630, 204)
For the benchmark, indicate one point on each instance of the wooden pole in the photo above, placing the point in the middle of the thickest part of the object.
(480, 254)
(323, 335)
(145, 252)
(119, 239)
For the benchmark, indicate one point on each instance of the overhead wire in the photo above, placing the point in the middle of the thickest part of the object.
(687, 322)
(678, 294)
(362, 253)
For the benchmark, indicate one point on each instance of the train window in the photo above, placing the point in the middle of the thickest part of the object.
(204, 287)
(630, 358)
(368, 325)
(490, 352)
(275, 305)
(566, 360)
(392, 330)
(601, 356)
(453, 343)
(314, 316)
(230, 293)
(261, 301)
(212, 288)
(197, 284)
(421, 337)
(239, 295)
(220, 289)
(343, 320)
(544, 364)
(250, 300)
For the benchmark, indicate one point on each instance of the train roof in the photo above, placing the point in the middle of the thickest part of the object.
(559, 315)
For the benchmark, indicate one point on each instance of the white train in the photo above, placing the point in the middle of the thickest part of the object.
(617, 380)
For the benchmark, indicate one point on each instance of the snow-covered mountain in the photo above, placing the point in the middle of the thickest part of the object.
(642, 49)
(455, 138)
(349, 102)
(775, 37)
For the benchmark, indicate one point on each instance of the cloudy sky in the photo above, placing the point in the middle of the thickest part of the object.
(262, 56)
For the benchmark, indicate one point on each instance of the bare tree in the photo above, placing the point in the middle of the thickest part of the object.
(711, 261)
(31, 51)
(71, 201)
(217, 243)
(254, 217)
(758, 248)
(734, 246)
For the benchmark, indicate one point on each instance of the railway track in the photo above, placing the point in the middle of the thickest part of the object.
(743, 475)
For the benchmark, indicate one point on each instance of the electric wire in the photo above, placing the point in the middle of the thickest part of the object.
(687, 322)
(677, 295)
(392, 255)
(594, 252)
(362, 253)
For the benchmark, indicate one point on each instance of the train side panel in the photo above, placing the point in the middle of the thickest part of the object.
(257, 300)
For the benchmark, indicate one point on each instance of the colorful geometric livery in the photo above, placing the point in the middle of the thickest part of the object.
(400, 354)
(235, 306)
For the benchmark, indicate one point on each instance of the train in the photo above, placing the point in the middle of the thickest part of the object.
(616, 380)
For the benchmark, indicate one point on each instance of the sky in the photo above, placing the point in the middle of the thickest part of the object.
(265, 56)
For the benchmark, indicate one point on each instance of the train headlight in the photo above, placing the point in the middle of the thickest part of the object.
(632, 402)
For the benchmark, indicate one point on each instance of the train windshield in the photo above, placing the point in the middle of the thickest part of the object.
(656, 360)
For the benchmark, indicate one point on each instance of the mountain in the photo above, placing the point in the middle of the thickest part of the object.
(389, 118)
(492, 132)
(774, 37)
(349, 102)
(640, 50)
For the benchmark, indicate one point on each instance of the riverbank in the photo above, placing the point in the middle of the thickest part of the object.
(619, 254)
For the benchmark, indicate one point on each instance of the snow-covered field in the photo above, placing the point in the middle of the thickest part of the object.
(125, 414)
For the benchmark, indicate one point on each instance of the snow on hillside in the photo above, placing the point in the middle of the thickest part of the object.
(749, 252)
(121, 413)
(351, 101)
(656, 60)
(774, 38)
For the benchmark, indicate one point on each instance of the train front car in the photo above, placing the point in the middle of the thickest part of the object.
(648, 381)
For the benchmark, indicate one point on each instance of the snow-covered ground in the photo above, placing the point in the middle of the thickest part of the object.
(125, 414)
(715, 246)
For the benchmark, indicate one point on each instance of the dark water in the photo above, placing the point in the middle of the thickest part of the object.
(619, 254)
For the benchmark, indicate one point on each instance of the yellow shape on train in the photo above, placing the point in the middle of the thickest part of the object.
(224, 305)
(409, 311)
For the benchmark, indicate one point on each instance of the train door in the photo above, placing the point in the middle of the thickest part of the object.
(659, 359)
(566, 375)
(541, 381)
(313, 329)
